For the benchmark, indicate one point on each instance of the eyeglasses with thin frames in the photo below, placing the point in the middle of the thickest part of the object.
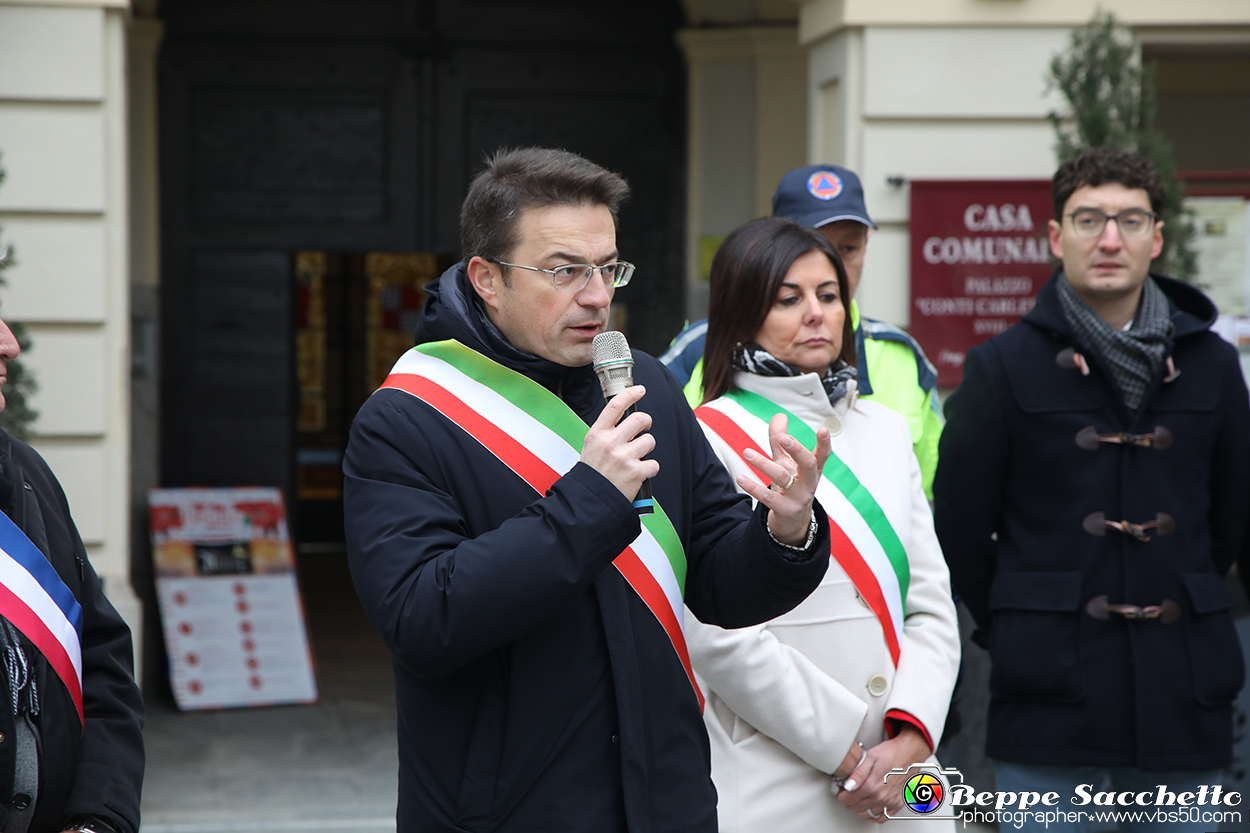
(1132, 222)
(574, 276)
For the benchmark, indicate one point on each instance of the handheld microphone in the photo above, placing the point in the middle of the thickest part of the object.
(614, 365)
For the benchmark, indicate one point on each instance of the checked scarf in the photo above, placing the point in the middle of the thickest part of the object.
(1135, 356)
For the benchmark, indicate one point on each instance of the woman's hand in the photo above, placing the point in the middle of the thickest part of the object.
(855, 756)
(867, 792)
(795, 473)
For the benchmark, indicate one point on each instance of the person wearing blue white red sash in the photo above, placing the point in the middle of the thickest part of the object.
(71, 715)
(808, 713)
(495, 540)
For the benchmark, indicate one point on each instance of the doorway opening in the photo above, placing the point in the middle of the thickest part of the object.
(355, 315)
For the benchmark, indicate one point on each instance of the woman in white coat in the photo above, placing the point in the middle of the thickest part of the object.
(809, 712)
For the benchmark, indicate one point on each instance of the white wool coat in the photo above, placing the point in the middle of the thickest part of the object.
(786, 699)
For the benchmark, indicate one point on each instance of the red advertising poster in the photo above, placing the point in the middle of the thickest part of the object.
(979, 254)
(229, 599)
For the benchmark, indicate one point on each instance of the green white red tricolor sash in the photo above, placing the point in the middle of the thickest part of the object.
(540, 438)
(863, 541)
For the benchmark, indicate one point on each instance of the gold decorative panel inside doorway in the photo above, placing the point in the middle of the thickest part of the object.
(396, 294)
(354, 317)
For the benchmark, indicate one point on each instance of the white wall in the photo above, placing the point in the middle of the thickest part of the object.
(954, 89)
(747, 127)
(64, 208)
(929, 103)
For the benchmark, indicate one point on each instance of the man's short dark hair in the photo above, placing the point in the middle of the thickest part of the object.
(515, 180)
(1102, 165)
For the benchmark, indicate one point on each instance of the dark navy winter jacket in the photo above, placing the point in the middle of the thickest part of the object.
(1022, 492)
(536, 691)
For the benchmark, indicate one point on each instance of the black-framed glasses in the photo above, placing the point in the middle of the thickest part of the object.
(574, 276)
(1132, 222)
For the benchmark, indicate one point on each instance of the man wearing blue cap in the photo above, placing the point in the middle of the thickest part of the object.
(892, 367)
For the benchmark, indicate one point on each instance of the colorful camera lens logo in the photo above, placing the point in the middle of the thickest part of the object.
(923, 792)
(927, 791)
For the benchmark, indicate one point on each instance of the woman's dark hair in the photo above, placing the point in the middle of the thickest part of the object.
(747, 272)
(515, 180)
(1101, 165)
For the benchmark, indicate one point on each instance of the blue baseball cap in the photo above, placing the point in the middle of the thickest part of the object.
(821, 194)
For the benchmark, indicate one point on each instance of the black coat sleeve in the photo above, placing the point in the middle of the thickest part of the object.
(109, 774)
(738, 575)
(445, 578)
(971, 475)
(107, 777)
(1230, 475)
(441, 580)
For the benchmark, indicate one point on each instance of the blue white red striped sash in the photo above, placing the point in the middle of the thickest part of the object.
(35, 600)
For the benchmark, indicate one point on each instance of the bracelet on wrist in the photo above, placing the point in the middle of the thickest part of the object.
(840, 780)
(812, 527)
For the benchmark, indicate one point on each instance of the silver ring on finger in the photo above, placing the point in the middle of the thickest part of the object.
(872, 814)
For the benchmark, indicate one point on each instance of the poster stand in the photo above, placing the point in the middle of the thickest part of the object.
(229, 598)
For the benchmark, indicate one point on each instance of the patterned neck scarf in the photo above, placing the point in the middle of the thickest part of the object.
(755, 359)
(1135, 357)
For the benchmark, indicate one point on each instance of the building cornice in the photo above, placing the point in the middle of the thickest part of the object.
(97, 4)
(820, 18)
(729, 42)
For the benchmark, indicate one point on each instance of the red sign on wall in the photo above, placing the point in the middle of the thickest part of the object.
(979, 255)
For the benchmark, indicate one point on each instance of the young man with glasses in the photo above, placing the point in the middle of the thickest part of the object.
(1091, 495)
(542, 679)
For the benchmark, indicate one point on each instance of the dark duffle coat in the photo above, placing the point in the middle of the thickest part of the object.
(536, 691)
(1022, 493)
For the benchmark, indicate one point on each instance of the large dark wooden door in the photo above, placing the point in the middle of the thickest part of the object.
(237, 386)
(354, 126)
(621, 129)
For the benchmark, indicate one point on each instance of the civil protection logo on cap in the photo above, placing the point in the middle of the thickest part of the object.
(824, 185)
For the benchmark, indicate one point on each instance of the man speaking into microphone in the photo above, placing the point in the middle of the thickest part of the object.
(533, 614)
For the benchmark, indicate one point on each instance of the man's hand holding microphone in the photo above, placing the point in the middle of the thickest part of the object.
(617, 442)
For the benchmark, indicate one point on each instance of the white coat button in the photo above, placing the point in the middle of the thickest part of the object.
(877, 685)
(834, 425)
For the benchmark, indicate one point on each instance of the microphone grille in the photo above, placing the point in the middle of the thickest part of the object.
(610, 347)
